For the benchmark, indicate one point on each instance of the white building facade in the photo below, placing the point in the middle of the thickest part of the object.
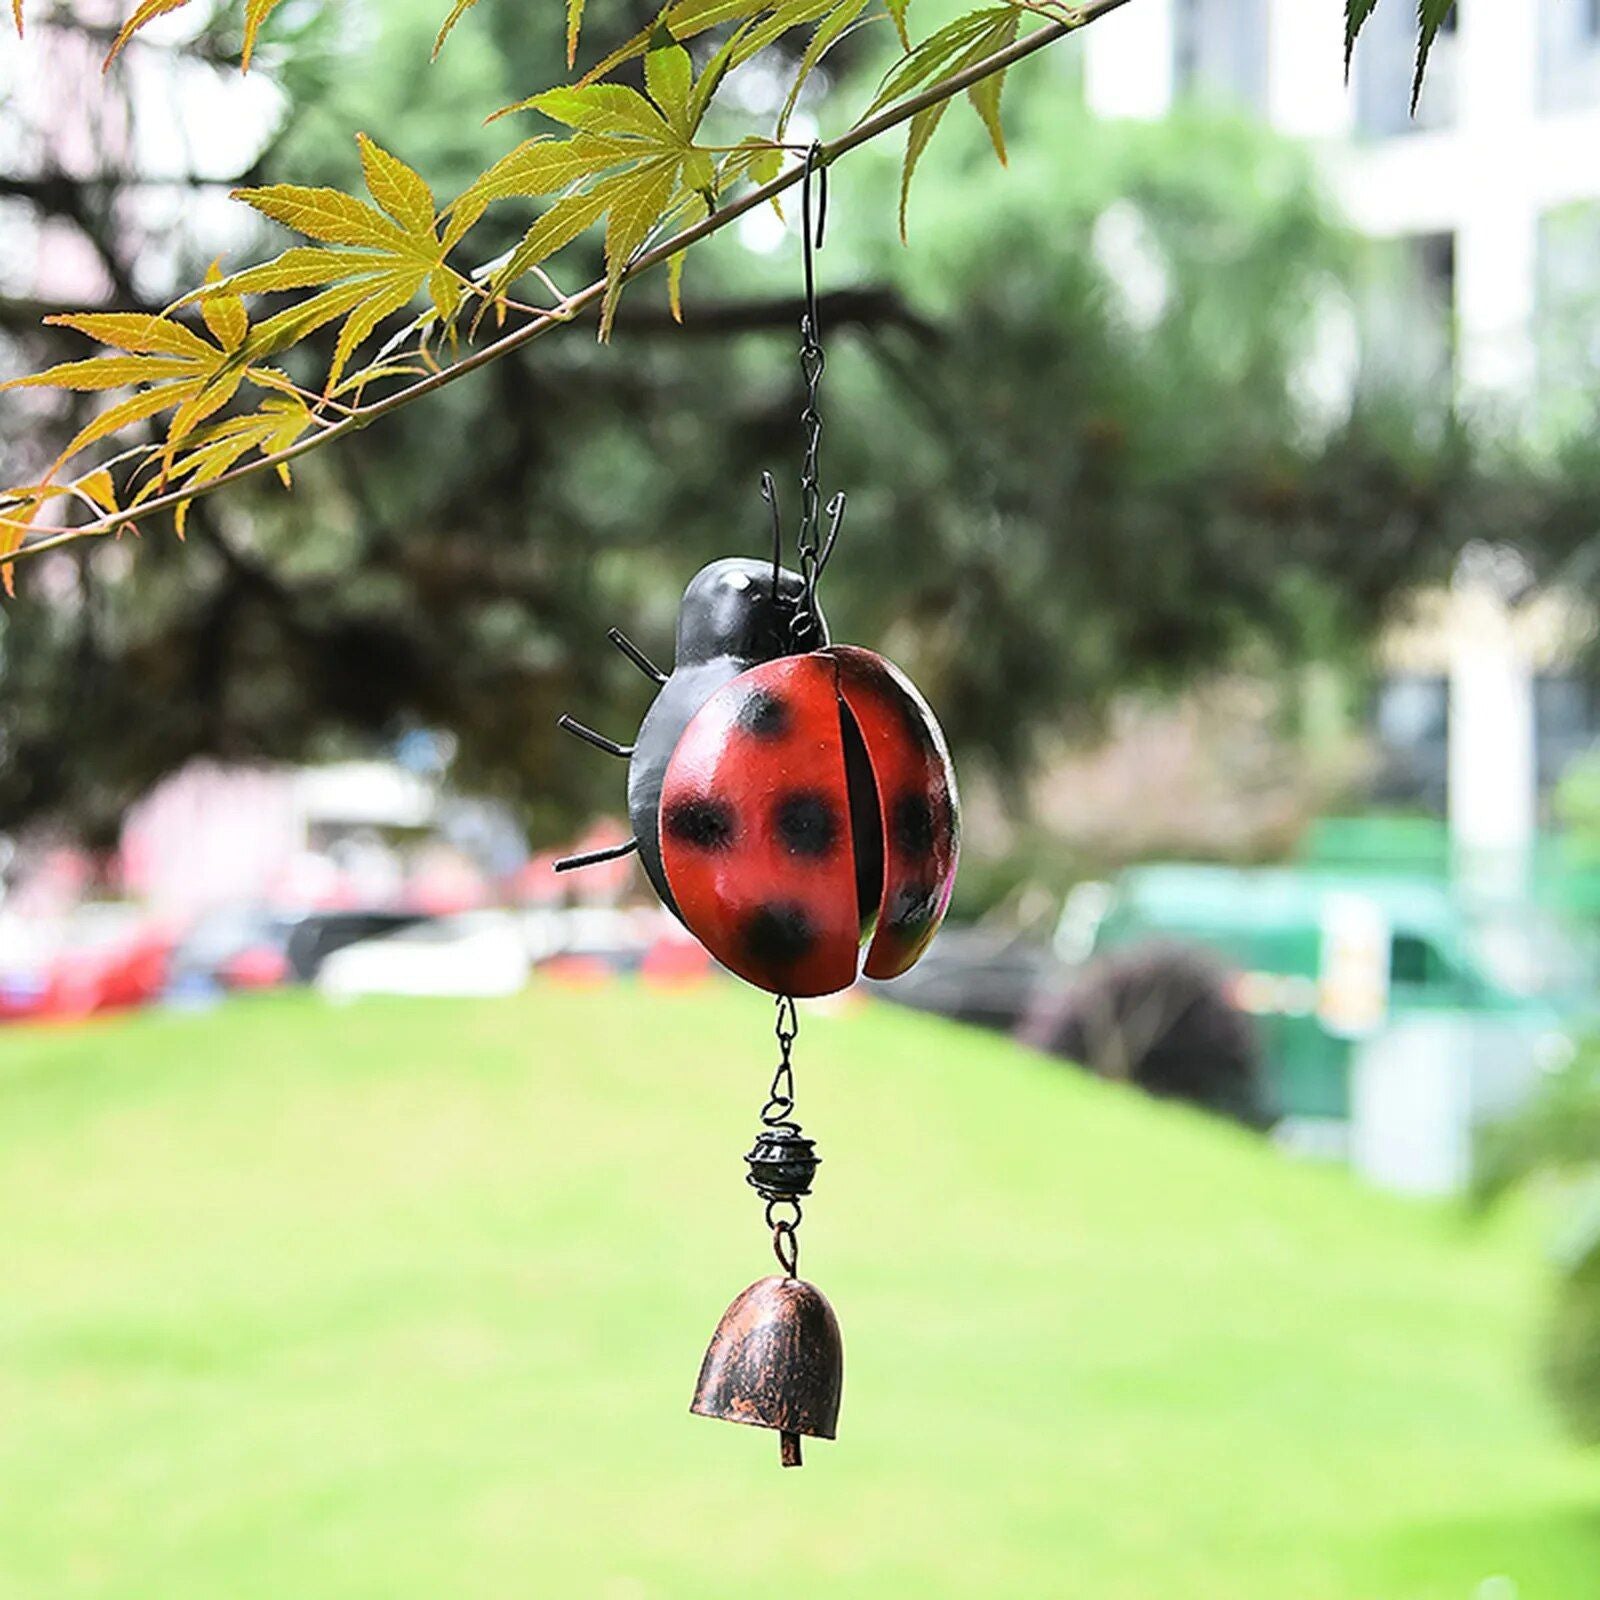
(1494, 184)
(1486, 207)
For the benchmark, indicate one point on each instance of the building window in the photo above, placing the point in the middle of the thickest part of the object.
(1407, 311)
(1411, 725)
(1569, 54)
(1219, 51)
(1567, 310)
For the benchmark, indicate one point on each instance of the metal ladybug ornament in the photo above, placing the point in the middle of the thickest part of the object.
(793, 803)
(791, 808)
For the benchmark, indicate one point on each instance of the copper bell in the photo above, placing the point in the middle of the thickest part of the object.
(775, 1361)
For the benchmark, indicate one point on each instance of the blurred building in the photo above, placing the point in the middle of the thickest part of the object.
(1488, 199)
(1484, 282)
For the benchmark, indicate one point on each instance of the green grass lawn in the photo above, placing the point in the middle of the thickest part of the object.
(407, 1300)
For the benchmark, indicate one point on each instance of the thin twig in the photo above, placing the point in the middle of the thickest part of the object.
(585, 298)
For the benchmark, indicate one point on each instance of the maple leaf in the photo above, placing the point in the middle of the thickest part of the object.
(19, 507)
(447, 27)
(372, 261)
(760, 22)
(631, 159)
(1356, 13)
(954, 47)
(171, 368)
(256, 12)
(282, 419)
(184, 373)
(1431, 16)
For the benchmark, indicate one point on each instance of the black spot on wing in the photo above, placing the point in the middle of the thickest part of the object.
(764, 714)
(911, 825)
(703, 824)
(778, 934)
(807, 823)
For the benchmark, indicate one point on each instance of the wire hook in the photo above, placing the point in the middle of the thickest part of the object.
(815, 179)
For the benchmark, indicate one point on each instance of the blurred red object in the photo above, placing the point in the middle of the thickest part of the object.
(261, 966)
(675, 959)
(104, 958)
(578, 972)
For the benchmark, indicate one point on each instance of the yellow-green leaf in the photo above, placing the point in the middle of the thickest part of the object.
(635, 210)
(985, 95)
(255, 13)
(364, 319)
(300, 267)
(136, 331)
(675, 285)
(445, 290)
(223, 314)
(922, 129)
(786, 15)
(669, 76)
(537, 167)
(558, 226)
(399, 190)
(829, 31)
(99, 488)
(574, 28)
(699, 171)
(145, 11)
(897, 15)
(211, 398)
(942, 52)
(103, 372)
(147, 403)
(602, 108)
(326, 214)
(295, 322)
(457, 12)
(696, 206)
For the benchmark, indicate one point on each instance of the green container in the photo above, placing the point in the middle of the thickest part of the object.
(1270, 929)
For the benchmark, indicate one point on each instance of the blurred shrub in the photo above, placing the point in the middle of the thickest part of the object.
(1557, 1136)
(1158, 1016)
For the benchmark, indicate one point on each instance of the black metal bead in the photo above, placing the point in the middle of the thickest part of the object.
(782, 1164)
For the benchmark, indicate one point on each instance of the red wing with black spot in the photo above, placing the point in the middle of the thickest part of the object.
(756, 833)
(917, 803)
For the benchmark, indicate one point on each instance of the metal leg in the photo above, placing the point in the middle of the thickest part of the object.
(598, 740)
(593, 858)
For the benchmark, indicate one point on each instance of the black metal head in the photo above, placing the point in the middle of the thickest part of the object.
(747, 609)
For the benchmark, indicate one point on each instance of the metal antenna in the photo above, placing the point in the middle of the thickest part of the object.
(636, 655)
(769, 493)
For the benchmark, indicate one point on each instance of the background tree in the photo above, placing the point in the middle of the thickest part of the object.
(1090, 463)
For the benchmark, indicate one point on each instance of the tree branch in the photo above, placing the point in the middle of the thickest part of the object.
(590, 297)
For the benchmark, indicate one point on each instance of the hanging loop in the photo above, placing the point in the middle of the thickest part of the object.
(786, 1247)
(813, 225)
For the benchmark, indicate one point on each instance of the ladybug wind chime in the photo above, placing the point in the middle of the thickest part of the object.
(794, 806)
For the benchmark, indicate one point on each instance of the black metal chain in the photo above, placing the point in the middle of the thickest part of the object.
(777, 1115)
(813, 551)
(780, 1097)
